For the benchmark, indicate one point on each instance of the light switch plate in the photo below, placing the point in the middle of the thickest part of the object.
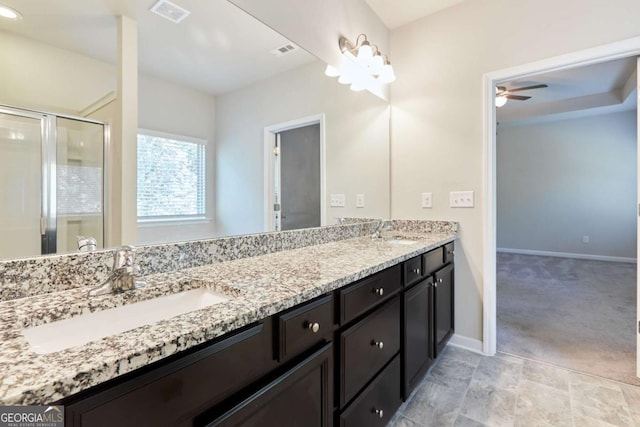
(461, 199)
(338, 201)
(426, 200)
(359, 200)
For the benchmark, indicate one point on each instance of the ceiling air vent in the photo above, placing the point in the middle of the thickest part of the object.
(284, 49)
(169, 10)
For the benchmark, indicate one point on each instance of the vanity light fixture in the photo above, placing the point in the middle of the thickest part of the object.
(363, 64)
(9, 13)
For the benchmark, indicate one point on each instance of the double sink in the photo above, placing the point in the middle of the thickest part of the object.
(85, 328)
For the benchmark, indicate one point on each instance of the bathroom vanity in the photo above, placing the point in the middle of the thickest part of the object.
(334, 333)
(346, 357)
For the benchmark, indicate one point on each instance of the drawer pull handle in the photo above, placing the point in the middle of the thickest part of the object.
(313, 327)
(378, 344)
(440, 280)
(379, 291)
(416, 270)
(378, 412)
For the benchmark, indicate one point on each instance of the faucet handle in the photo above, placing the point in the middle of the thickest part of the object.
(124, 257)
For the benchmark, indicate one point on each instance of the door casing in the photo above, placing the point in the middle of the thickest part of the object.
(616, 50)
(269, 142)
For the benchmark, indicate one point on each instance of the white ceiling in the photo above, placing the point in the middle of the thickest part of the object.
(396, 13)
(216, 49)
(581, 91)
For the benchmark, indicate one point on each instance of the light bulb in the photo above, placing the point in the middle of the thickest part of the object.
(365, 53)
(331, 71)
(348, 72)
(500, 101)
(386, 74)
(376, 64)
(7, 12)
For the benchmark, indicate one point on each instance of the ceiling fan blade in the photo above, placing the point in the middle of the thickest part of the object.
(517, 97)
(518, 89)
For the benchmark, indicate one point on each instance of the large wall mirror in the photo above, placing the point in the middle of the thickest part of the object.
(239, 130)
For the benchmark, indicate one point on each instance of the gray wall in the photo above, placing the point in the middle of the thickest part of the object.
(561, 180)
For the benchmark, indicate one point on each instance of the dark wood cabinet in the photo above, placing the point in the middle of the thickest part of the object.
(412, 270)
(172, 393)
(417, 334)
(366, 347)
(367, 293)
(304, 326)
(443, 297)
(302, 396)
(378, 402)
(382, 332)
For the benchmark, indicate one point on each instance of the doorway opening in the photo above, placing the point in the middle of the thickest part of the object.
(614, 51)
(295, 174)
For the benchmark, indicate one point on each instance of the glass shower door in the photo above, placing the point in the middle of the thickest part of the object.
(21, 177)
(79, 183)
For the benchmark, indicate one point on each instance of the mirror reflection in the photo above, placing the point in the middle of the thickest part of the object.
(238, 129)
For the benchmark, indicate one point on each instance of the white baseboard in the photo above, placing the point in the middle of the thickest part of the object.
(567, 255)
(466, 343)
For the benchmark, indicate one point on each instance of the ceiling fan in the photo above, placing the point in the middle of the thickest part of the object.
(503, 94)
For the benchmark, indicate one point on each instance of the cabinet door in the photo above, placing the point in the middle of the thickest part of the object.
(171, 394)
(417, 334)
(444, 306)
(300, 397)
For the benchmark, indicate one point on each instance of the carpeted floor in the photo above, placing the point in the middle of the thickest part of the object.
(576, 314)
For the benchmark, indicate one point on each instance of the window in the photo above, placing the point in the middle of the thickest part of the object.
(79, 190)
(171, 176)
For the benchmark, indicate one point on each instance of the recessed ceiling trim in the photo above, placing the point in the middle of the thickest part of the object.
(169, 10)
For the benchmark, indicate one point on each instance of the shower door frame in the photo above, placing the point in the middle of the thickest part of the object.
(48, 197)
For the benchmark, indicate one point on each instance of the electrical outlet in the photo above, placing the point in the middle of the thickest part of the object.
(426, 200)
(359, 200)
(461, 199)
(585, 239)
(338, 201)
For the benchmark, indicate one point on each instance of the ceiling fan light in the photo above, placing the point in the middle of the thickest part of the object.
(500, 101)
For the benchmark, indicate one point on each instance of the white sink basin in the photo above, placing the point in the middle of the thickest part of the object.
(401, 242)
(79, 330)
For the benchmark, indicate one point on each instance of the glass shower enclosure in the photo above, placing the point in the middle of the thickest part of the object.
(52, 182)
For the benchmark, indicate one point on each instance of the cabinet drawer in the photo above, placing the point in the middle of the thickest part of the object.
(448, 252)
(365, 294)
(367, 346)
(433, 260)
(412, 270)
(302, 327)
(172, 394)
(378, 402)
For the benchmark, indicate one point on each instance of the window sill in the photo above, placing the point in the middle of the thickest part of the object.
(173, 221)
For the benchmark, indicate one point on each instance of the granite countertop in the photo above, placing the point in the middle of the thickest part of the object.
(260, 286)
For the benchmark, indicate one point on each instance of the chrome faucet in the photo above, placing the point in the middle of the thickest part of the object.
(123, 276)
(376, 230)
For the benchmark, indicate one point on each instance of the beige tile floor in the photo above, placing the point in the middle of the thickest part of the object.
(467, 389)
